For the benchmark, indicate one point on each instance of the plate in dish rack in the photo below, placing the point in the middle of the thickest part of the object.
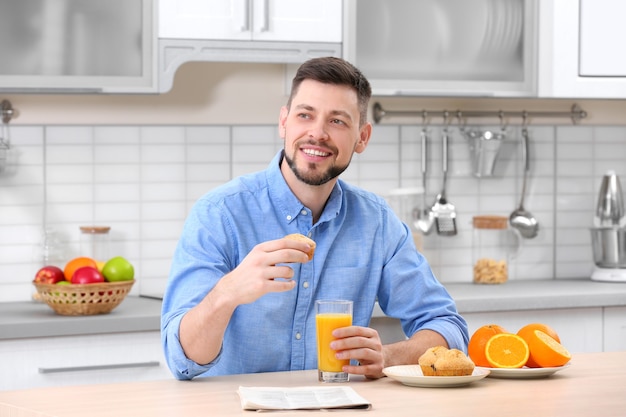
(525, 373)
(412, 376)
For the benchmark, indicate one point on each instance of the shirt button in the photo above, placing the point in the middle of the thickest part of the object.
(305, 284)
(298, 336)
(288, 217)
(304, 212)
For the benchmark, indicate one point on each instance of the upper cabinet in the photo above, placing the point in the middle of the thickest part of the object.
(443, 48)
(77, 45)
(580, 53)
(276, 31)
(246, 20)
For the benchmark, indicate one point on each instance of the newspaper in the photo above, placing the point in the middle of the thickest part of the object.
(300, 398)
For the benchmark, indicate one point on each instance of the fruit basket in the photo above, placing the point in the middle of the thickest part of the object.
(84, 299)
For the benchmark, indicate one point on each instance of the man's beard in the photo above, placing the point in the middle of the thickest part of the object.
(315, 177)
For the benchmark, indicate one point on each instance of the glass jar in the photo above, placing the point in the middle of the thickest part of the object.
(94, 242)
(490, 249)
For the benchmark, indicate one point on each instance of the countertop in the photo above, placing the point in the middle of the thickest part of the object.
(32, 319)
(592, 385)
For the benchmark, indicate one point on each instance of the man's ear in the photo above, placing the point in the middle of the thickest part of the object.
(364, 137)
(282, 119)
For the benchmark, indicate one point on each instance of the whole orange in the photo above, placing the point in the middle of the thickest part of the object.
(478, 342)
(547, 351)
(76, 263)
(527, 333)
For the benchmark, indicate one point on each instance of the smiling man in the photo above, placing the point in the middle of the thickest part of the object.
(240, 297)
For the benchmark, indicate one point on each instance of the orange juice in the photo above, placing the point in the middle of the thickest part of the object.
(326, 323)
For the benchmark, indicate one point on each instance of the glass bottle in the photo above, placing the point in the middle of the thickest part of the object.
(94, 242)
(490, 249)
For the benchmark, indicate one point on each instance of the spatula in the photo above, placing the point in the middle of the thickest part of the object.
(444, 211)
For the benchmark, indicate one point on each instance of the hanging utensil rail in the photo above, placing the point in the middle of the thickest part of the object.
(576, 114)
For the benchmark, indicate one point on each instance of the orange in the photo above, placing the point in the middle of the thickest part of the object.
(507, 350)
(547, 351)
(527, 332)
(478, 341)
(76, 263)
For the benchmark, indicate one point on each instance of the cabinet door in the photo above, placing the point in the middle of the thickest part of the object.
(580, 44)
(297, 20)
(200, 19)
(77, 360)
(259, 20)
(80, 46)
(432, 47)
(614, 329)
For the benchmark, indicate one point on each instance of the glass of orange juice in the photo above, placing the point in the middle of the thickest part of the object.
(331, 315)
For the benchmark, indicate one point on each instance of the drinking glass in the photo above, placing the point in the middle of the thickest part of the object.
(331, 315)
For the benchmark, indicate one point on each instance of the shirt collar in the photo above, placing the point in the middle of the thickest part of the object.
(288, 204)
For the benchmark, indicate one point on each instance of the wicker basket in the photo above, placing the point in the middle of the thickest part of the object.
(84, 299)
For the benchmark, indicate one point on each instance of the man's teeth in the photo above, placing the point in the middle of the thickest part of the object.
(313, 152)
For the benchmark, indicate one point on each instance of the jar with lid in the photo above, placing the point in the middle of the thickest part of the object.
(490, 249)
(94, 242)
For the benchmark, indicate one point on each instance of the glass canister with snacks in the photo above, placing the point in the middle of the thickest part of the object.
(490, 249)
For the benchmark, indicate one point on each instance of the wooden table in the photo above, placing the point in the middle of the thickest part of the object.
(593, 385)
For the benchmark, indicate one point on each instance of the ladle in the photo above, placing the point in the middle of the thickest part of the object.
(521, 220)
(426, 217)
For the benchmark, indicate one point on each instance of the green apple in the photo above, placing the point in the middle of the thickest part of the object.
(118, 269)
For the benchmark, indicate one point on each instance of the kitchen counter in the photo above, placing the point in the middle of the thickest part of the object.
(593, 384)
(35, 319)
(31, 319)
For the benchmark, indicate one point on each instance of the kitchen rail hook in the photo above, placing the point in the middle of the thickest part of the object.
(6, 111)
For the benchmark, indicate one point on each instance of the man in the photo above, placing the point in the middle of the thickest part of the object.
(240, 298)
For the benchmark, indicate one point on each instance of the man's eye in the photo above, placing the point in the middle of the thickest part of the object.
(338, 121)
(304, 115)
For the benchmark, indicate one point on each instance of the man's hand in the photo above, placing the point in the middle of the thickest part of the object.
(362, 344)
(263, 271)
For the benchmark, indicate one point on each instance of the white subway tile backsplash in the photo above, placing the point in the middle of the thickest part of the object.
(116, 135)
(142, 181)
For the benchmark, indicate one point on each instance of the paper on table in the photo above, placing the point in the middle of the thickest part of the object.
(300, 398)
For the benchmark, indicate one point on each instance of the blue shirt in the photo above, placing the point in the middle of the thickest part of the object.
(364, 253)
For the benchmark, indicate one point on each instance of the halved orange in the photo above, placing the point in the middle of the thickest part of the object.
(547, 352)
(478, 341)
(527, 333)
(507, 350)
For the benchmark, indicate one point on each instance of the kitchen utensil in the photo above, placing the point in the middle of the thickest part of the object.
(443, 210)
(426, 217)
(610, 208)
(520, 219)
(484, 148)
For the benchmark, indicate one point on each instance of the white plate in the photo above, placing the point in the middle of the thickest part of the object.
(524, 373)
(412, 376)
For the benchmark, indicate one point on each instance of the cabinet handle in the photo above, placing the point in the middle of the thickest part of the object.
(245, 18)
(98, 367)
(265, 25)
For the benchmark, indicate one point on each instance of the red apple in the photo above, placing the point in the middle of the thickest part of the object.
(87, 275)
(49, 275)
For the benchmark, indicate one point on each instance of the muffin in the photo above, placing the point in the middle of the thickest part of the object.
(441, 361)
(302, 238)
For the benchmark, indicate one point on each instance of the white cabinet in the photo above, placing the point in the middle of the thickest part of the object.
(261, 20)
(269, 31)
(437, 48)
(78, 46)
(77, 360)
(614, 329)
(580, 49)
